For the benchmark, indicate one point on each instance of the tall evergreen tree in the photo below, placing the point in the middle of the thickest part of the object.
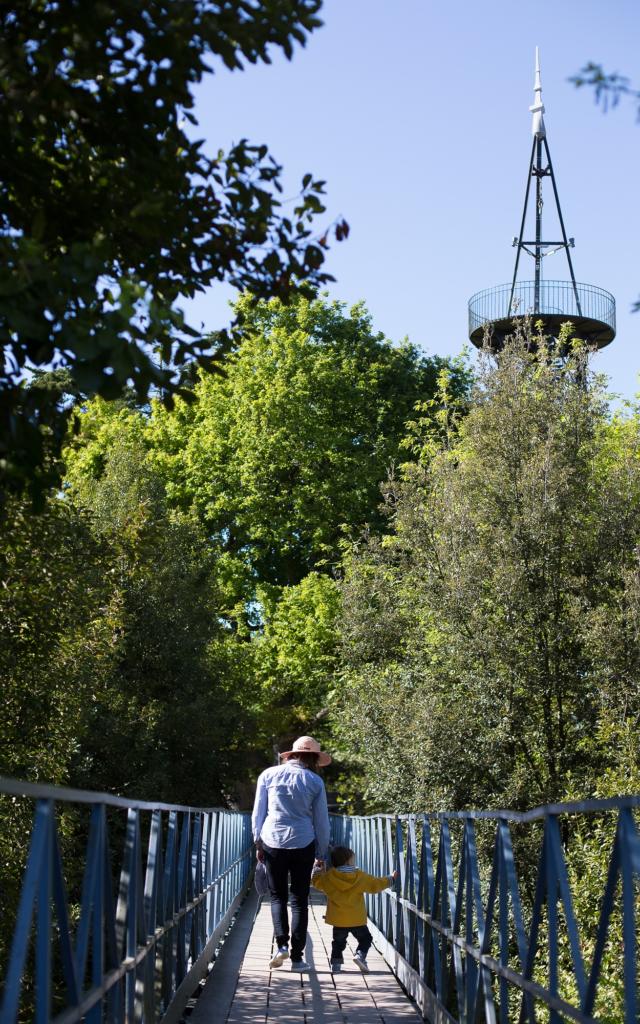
(486, 640)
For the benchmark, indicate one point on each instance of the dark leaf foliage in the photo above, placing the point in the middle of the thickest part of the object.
(110, 211)
(608, 86)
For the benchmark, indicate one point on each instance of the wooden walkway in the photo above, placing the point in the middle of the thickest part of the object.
(264, 996)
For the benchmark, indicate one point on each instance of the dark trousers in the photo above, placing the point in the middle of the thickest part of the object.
(281, 864)
(361, 934)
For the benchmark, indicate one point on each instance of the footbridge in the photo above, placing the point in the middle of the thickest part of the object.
(132, 911)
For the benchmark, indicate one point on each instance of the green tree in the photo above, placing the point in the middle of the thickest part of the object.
(608, 87)
(55, 640)
(487, 638)
(277, 463)
(110, 211)
(283, 456)
(56, 647)
(166, 721)
(273, 465)
(295, 656)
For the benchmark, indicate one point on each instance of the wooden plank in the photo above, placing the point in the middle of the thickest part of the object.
(374, 998)
(424, 997)
(214, 1003)
(199, 969)
(282, 996)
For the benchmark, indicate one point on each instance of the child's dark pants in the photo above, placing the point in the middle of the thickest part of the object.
(361, 934)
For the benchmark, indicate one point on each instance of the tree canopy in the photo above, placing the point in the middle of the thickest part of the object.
(277, 464)
(111, 211)
(284, 455)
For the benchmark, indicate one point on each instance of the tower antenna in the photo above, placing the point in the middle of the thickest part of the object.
(538, 171)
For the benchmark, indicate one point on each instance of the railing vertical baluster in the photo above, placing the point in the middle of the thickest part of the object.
(471, 905)
(629, 869)
(503, 933)
(206, 871)
(215, 871)
(43, 926)
(183, 860)
(151, 882)
(101, 895)
(606, 910)
(26, 906)
(62, 919)
(424, 898)
(552, 916)
(399, 932)
(195, 883)
(388, 868)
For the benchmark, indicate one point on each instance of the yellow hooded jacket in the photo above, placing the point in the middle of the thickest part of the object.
(345, 894)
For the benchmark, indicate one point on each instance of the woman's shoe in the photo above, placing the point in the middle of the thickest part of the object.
(299, 965)
(279, 958)
(336, 966)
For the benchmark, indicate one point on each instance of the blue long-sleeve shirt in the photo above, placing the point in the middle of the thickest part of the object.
(290, 809)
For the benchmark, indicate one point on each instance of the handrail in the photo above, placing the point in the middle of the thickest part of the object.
(458, 930)
(535, 814)
(18, 787)
(140, 948)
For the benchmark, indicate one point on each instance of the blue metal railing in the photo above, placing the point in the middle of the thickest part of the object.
(140, 947)
(460, 929)
(465, 942)
(585, 301)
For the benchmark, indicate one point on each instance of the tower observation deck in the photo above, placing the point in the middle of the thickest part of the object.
(591, 310)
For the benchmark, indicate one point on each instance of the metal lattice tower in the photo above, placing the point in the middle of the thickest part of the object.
(591, 310)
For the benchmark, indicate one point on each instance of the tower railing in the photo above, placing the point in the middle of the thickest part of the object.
(507, 916)
(555, 298)
(139, 932)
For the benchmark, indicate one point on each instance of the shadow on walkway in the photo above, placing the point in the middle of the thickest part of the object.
(241, 989)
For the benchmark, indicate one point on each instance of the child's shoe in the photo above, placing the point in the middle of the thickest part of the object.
(336, 966)
(360, 961)
(279, 957)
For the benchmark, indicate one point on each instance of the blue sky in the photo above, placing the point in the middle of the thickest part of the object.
(416, 114)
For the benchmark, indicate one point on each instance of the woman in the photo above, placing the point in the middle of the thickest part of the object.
(291, 830)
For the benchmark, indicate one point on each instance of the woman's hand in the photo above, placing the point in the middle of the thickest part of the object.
(318, 865)
(259, 850)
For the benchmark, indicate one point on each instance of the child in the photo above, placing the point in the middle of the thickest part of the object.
(345, 885)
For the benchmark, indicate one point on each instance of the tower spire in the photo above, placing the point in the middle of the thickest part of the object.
(537, 248)
(537, 107)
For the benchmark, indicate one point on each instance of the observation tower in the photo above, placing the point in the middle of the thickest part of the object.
(591, 310)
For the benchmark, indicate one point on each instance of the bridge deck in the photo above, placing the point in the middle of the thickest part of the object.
(319, 997)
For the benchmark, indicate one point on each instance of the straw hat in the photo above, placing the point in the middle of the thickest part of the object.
(307, 745)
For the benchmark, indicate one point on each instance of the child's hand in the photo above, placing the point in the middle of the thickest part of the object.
(394, 875)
